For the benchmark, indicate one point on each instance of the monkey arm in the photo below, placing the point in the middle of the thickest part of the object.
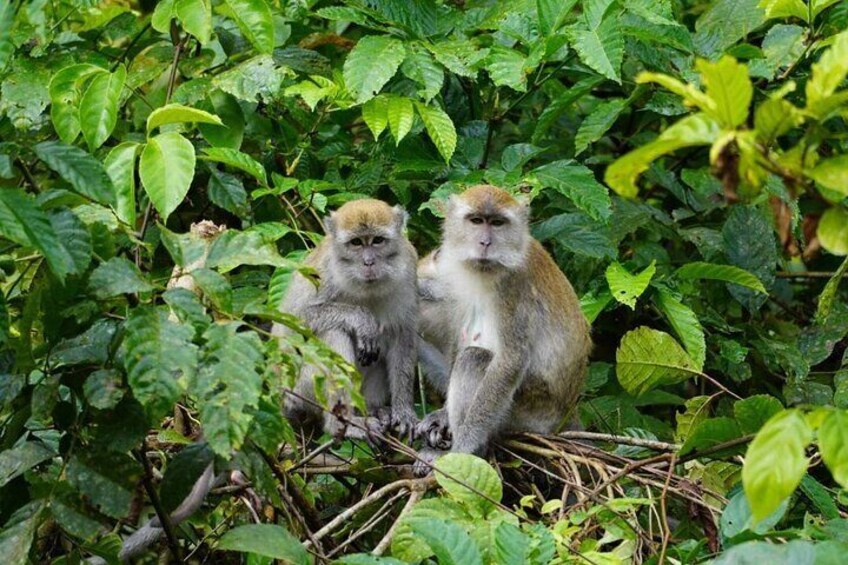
(489, 406)
(400, 362)
(327, 316)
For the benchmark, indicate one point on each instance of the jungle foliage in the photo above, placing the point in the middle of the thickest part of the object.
(687, 163)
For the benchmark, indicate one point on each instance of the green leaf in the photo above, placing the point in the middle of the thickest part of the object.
(18, 460)
(774, 118)
(73, 236)
(648, 358)
(511, 545)
(832, 173)
(625, 287)
(775, 462)
(267, 540)
(182, 473)
(820, 497)
(469, 480)
(365, 77)
(728, 86)
(506, 67)
(237, 160)
(696, 412)
(601, 47)
(753, 412)
(23, 222)
(833, 445)
(709, 433)
(16, 537)
(99, 106)
(84, 173)
(162, 16)
(828, 296)
(827, 74)
(832, 230)
(596, 124)
(420, 67)
(106, 479)
(449, 542)
(166, 170)
(697, 129)
(228, 383)
(120, 166)
(698, 270)
(686, 326)
(216, 287)
(749, 242)
(579, 185)
(231, 133)
(255, 21)
(177, 113)
(117, 276)
(65, 99)
(552, 13)
(820, 5)
(103, 389)
(440, 128)
(724, 23)
(159, 358)
(7, 18)
(196, 18)
(577, 233)
(784, 9)
(233, 249)
(399, 114)
(228, 192)
(375, 114)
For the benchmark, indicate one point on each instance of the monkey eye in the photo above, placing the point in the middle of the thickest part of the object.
(356, 242)
(498, 222)
(378, 240)
(476, 220)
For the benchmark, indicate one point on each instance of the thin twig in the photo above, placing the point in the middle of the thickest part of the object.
(664, 512)
(164, 518)
(622, 440)
(415, 495)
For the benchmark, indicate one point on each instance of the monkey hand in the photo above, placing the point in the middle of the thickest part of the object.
(368, 342)
(435, 430)
(404, 422)
(424, 462)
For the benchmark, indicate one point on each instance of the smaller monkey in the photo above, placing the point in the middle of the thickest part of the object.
(365, 308)
(506, 320)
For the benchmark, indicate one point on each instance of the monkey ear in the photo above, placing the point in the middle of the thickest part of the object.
(401, 217)
(330, 225)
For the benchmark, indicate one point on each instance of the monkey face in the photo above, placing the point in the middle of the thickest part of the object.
(369, 258)
(488, 240)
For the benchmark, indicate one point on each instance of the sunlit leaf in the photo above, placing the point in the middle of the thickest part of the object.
(648, 358)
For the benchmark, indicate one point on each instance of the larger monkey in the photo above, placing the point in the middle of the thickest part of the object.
(365, 308)
(518, 343)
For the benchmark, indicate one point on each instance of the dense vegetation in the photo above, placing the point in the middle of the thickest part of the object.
(687, 162)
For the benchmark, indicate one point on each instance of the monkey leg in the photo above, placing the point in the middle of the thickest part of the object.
(465, 378)
(424, 463)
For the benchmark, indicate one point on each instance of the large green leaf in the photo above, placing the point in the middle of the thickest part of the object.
(166, 169)
(410, 547)
(375, 114)
(7, 18)
(686, 326)
(117, 276)
(596, 124)
(753, 412)
(420, 67)
(120, 166)
(600, 46)
(470, 481)
(17, 536)
(709, 433)
(177, 113)
(775, 462)
(697, 129)
(228, 384)
(833, 444)
(371, 64)
(725, 22)
(511, 545)
(231, 133)
(449, 542)
(728, 86)
(440, 128)
(785, 9)
(84, 173)
(827, 74)
(506, 67)
(399, 113)
(552, 13)
(578, 184)
(65, 99)
(23, 222)
(832, 230)
(99, 106)
(159, 358)
(578, 233)
(699, 270)
(20, 459)
(196, 18)
(106, 479)
(255, 21)
(832, 173)
(73, 236)
(267, 540)
(626, 287)
(749, 242)
(648, 358)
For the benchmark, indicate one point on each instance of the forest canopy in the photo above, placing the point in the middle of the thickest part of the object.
(165, 168)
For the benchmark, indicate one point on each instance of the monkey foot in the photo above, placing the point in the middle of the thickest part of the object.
(424, 463)
(435, 430)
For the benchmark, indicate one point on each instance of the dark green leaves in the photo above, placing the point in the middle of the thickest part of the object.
(99, 106)
(83, 172)
(267, 540)
(117, 276)
(577, 183)
(371, 64)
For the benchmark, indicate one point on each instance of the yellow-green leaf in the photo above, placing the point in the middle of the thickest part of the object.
(99, 106)
(832, 173)
(833, 230)
(626, 287)
(177, 113)
(399, 113)
(647, 358)
(833, 444)
(440, 128)
(728, 86)
(166, 170)
(375, 115)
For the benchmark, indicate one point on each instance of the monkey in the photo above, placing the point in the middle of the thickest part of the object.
(365, 308)
(507, 322)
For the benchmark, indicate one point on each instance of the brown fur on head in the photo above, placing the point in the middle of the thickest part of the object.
(487, 229)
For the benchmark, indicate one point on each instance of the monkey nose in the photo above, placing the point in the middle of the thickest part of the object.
(368, 262)
(485, 242)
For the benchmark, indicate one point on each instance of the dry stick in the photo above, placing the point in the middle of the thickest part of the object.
(164, 518)
(414, 497)
(622, 440)
(664, 512)
(312, 455)
(370, 524)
